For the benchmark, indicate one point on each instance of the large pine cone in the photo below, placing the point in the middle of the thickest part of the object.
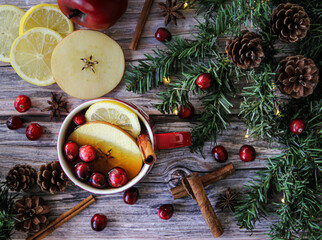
(21, 177)
(51, 178)
(32, 214)
(246, 51)
(297, 76)
(289, 22)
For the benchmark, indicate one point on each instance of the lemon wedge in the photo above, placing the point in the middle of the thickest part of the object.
(115, 113)
(48, 16)
(10, 17)
(30, 55)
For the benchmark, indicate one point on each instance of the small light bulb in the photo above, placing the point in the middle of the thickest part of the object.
(246, 135)
(185, 5)
(166, 80)
(278, 113)
(283, 200)
(175, 111)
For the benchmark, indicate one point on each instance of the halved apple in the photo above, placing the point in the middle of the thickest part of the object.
(104, 137)
(87, 64)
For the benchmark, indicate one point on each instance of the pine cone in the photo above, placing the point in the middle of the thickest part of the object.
(51, 178)
(21, 177)
(32, 214)
(246, 51)
(297, 76)
(290, 22)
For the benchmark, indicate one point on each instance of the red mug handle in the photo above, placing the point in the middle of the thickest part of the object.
(172, 140)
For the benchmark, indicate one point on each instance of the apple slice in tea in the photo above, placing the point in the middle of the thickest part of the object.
(104, 137)
(87, 64)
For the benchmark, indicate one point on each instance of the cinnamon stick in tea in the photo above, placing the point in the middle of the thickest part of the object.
(195, 187)
(146, 148)
(63, 218)
(221, 173)
(140, 25)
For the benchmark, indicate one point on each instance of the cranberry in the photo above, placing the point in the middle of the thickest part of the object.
(297, 126)
(204, 81)
(79, 119)
(117, 177)
(87, 153)
(71, 151)
(34, 131)
(131, 195)
(99, 180)
(99, 222)
(247, 153)
(83, 171)
(22, 103)
(186, 111)
(14, 123)
(163, 35)
(166, 211)
(220, 154)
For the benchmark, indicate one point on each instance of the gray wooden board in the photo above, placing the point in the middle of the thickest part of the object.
(139, 221)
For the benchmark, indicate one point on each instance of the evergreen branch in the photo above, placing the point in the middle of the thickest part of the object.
(260, 107)
(170, 61)
(7, 218)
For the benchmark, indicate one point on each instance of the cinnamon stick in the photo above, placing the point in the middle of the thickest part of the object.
(221, 173)
(140, 25)
(63, 218)
(194, 184)
(146, 148)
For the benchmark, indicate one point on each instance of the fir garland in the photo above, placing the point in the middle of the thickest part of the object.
(296, 173)
(7, 218)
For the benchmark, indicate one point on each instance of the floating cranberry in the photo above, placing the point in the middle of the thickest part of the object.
(99, 222)
(165, 211)
(79, 119)
(22, 103)
(220, 154)
(117, 177)
(83, 171)
(204, 81)
(87, 153)
(163, 35)
(186, 111)
(131, 195)
(14, 122)
(98, 180)
(71, 150)
(34, 131)
(297, 126)
(247, 153)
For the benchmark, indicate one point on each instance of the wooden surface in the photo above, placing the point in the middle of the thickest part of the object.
(139, 221)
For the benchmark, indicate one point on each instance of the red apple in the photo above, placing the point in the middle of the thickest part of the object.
(93, 14)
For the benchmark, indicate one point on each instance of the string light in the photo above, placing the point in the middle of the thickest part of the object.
(166, 80)
(175, 112)
(185, 5)
(246, 135)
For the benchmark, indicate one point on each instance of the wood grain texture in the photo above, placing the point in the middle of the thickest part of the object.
(139, 221)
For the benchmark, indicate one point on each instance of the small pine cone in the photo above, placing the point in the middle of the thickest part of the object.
(21, 177)
(32, 213)
(51, 178)
(289, 22)
(246, 51)
(297, 76)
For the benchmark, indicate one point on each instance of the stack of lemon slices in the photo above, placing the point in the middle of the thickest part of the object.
(27, 39)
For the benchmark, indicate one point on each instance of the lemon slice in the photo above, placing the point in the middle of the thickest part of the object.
(30, 55)
(48, 16)
(9, 29)
(115, 113)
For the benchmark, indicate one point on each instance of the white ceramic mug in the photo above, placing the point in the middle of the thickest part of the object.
(166, 140)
